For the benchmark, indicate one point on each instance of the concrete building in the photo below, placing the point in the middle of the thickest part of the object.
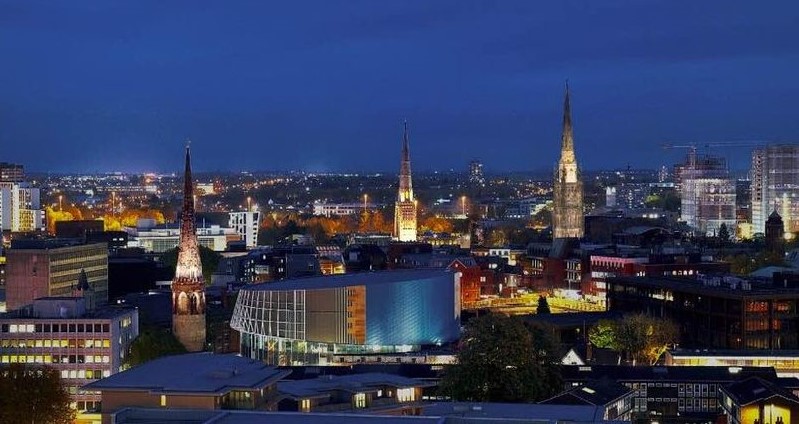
(307, 320)
(775, 184)
(45, 268)
(716, 312)
(11, 173)
(568, 219)
(82, 345)
(159, 239)
(405, 214)
(246, 224)
(201, 381)
(20, 208)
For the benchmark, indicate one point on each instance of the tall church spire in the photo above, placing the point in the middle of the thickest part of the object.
(567, 137)
(567, 187)
(188, 286)
(405, 208)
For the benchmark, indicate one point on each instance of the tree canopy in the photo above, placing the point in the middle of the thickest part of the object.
(643, 338)
(603, 334)
(33, 394)
(500, 359)
(153, 343)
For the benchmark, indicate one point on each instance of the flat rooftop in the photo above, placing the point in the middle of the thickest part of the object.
(697, 286)
(192, 373)
(725, 353)
(356, 279)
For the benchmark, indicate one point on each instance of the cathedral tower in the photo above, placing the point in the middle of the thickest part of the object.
(567, 214)
(188, 287)
(405, 209)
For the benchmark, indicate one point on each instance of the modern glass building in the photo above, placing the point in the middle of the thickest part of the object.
(308, 320)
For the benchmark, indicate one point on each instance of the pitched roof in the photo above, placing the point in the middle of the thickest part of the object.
(755, 389)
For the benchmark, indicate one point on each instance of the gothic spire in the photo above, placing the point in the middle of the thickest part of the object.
(188, 185)
(406, 155)
(567, 138)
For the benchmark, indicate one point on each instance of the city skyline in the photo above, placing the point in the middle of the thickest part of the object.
(321, 90)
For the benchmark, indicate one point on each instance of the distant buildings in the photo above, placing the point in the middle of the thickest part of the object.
(44, 268)
(340, 209)
(775, 185)
(405, 208)
(476, 175)
(82, 345)
(11, 173)
(308, 320)
(160, 238)
(188, 286)
(567, 213)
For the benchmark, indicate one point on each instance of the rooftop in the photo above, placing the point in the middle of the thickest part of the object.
(719, 286)
(596, 393)
(345, 280)
(192, 373)
(730, 353)
(663, 373)
(756, 389)
(323, 385)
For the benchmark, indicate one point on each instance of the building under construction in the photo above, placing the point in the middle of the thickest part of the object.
(707, 192)
(775, 186)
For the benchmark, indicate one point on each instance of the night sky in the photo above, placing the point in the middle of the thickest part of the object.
(325, 86)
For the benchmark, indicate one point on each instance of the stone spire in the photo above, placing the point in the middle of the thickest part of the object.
(405, 193)
(405, 208)
(188, 286)
(567, 137)
(567, 188)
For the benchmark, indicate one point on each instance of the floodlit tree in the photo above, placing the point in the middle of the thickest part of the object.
(543, 306)
(643, 338)
(603, 334)
(501, 360)
(33, 394)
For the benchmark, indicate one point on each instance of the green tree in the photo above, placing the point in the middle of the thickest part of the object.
(33, 394)
(501, 360)
(209, 259)
(543, 306)
(643, 338)
(153, 343)
(603, 334)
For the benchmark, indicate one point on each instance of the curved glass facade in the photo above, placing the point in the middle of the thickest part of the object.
(306, 321)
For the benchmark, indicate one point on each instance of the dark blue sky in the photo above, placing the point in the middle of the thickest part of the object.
(103, 85)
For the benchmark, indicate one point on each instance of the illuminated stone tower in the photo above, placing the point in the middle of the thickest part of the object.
(188, 287)
(405, 209)
(567, 214)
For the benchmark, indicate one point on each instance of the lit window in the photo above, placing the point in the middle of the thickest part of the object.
(406, 395)
(360, 400)
(305, 405)
(163, 400)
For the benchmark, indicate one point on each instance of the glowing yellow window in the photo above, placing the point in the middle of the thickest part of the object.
(163, 400)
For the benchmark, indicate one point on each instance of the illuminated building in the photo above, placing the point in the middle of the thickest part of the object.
(405, 208)
(20, 209)
(340, 209)
(476, 175)
(775, 184)
(707, 194)
(716, 312)
(567, 193)
(784, 362)
(82, 345)
(756, 400)
(159, 239)
(775, 234)
(246, 224)
(188, 286)
(45, 268)
(308, 320)
(11, 173)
